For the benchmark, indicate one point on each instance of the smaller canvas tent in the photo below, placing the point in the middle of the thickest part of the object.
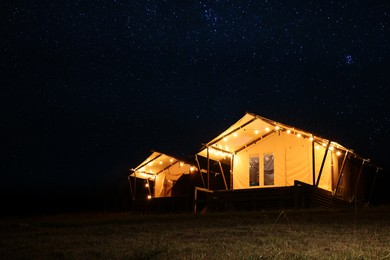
(263, 153)
(161, 173)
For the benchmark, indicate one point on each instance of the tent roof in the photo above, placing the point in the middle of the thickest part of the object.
(250, 129)
(155, 164)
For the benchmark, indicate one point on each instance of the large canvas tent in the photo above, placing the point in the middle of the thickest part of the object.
(160, 173)
(263, 153)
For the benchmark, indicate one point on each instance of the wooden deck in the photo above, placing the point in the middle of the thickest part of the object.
(301, 195)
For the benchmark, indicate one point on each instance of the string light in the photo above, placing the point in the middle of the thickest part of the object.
(149, 197)
(147, 185)
(181, 164)
(299, 135)
(171, 160)
(256, 131)
(225, 139)
(161, 162)
(267, 129)
(311, 138)
(192, 168)
(277, 128)
(338, 153)
(288, 131)
(235, 134)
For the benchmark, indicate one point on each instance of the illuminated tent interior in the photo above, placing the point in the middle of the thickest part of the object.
(264, 153)
(160, 173)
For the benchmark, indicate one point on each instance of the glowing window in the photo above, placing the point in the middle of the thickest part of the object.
(253, 170)
(269, 169)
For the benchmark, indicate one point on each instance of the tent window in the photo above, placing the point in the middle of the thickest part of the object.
(253, 170)
(268, 169)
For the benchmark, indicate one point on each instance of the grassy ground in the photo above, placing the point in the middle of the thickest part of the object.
(304, 234)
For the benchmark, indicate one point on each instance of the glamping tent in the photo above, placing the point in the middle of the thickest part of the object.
(161, 174)
(263, 153)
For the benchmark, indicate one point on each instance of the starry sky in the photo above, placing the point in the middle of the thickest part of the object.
(90, 87)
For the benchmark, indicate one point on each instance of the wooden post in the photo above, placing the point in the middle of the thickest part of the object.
(131, 188)
(231, 171)
(195, 200)
(358, 179)
(314, 162)
(322, 164)
(200, 170)
(223, 175)
(208, 167)
(341, 172)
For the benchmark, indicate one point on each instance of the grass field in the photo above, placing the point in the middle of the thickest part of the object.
(362, 233)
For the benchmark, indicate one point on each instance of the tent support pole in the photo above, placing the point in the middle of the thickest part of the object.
(322, 164)
(199, 170)
(135, 184)
(358, 180)
(372, 187)
(314, 162)
(341, 173)
(131, 188)
(208, 167)
(150, 193)
(223, 175)
(231, 171)
(195, 200)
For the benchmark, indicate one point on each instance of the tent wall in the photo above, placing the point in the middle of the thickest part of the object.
(292, 161)
(166, 180)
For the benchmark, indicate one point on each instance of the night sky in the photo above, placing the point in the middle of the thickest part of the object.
(89, 88)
